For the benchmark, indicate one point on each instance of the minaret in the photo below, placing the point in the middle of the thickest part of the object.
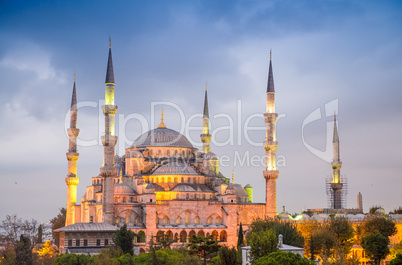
(270, 173)
(109, 171)
(205, 136)
(72, 156)
(336, 184)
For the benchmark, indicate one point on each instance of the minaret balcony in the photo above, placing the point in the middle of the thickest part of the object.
(271, 174)
(109, 140)
(72, 156)
(205, 138)
(270, 145)
(108, 171)
(336, 164)
(109, 109)
(72, 180)
(270, 117)
(73, 132)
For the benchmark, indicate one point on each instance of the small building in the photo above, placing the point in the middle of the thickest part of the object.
(245, 251)
(85, 238)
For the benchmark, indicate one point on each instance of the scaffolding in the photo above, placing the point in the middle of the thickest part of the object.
(336, 193)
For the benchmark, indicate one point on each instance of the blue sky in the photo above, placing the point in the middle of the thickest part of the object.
(349, 51)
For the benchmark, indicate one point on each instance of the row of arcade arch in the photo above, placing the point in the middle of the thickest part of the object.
(183, 236)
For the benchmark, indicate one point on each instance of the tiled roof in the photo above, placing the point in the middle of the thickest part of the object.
(162, 137)
(87, 227)
(175, 168)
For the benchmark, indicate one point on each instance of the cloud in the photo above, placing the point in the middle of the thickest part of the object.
(29, 57)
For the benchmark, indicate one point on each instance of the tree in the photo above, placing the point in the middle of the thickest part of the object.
(124, 239)
(262, 244)
(343, 230)
(58, 222)
(375, 209)
(40, 235)
(227, 256)
(204, 247)
(376, 246)
(288, 230)
(13, 227)
(23, 251)
(397, 260)
(283, 258)
(383, 225)
(46, 253)
(396, 211)
(240, 237)
(72, 259)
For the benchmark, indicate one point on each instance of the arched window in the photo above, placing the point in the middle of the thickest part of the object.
(137, 220)
(85, 240)
(223, 236)
(183, 236)
(187, 218)
(215, 235)
(187, 196)
(98, 239)
(106, 239)
(165, 221)
(141, 237)
(201, 233)
(192, 233)
(77, 240)
(178, 220)
(218, 220)
(209, 220)
(196, 220)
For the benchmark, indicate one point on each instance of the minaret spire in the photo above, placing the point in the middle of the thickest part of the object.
(109, 70)
(270, 83)
(72, 156)
(336, 183)
(162, 124)
(205, 136)
(109, 140)
(270, 173)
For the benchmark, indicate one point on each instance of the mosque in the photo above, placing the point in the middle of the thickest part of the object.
(162, 184)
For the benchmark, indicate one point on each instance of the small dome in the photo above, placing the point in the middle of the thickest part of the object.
(175, 168)
(162, 137)
(135, 154)
(123, 189)
(235, 189)
(210, 156)
(154, 186)
(183, 187)
(284, 216)
(248, 186)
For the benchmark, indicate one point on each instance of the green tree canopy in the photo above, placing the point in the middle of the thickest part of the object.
(376, 246)
(380, 223)
(58, 222)
(262, 243)
(23, 251)
(397, 260)
(124, 239)
(283, 258)
(289, 231)
(204, 247)
(228, 256)
(72, 259)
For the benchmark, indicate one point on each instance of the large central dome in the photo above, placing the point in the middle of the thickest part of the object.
(162, 137)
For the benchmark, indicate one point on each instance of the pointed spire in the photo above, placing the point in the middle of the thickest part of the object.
(162, 125)
(233, 178)
(336, 137)
(206, 111)
(74, 98)
(270, 85)
(109, 71)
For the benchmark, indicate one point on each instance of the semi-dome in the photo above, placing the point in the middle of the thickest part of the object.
(123, 189)
(135, 154)
(210, 156)
(175, 168)
(235, 189)
(183, 187)
(162, 137)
